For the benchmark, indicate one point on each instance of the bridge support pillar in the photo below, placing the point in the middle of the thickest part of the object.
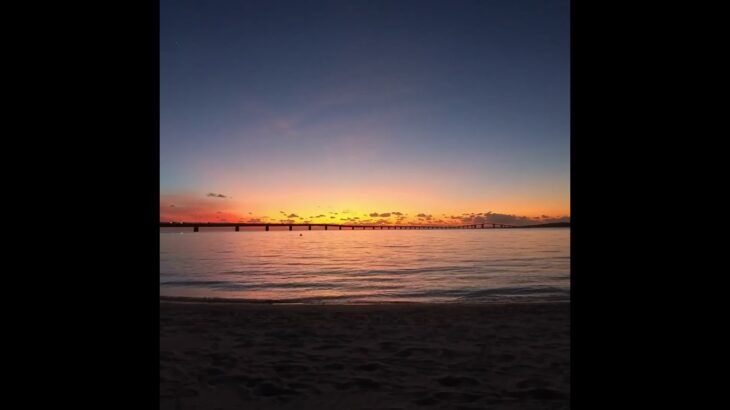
(238, 228)
(195, 229)
(325, 227)
(290, 227)
(309, 227)
(267, 227)
(340, 228)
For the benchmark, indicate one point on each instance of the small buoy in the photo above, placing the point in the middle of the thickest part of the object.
(300, 234)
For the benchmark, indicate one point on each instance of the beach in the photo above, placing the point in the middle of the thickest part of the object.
(224, 355)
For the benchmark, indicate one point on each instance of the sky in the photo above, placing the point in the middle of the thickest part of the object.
(398, 111)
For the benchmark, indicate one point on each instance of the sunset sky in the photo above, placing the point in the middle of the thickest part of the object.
(365, 111)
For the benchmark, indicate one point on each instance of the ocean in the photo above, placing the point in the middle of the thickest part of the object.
(371, 266)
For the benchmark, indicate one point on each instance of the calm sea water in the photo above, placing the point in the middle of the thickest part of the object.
(368, 266)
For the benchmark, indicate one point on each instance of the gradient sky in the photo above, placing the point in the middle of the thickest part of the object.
(333, 110)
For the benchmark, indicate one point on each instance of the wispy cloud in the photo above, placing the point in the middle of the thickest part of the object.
(381, 215)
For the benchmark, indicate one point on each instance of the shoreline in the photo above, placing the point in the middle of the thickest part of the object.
(310, 302)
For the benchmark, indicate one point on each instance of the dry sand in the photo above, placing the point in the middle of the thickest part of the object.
(396, 356)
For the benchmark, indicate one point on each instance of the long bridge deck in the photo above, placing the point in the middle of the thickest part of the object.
(197, 225)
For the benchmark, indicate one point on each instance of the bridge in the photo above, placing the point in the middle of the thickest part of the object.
(197, 225)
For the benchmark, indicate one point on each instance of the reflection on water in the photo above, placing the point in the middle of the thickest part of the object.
(368, 266)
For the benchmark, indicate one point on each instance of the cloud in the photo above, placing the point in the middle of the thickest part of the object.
(374, 214)
(473, 220)
(508, 219)
(292, 216)
(214, 195)
(555, 219)
(491, 217)
(397, 213)
(172, 206)
(385, 215)
(320, 216)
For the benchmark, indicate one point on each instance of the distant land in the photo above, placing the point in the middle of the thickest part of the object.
(550, 225)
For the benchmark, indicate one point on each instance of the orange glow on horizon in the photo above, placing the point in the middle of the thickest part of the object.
(379, 209)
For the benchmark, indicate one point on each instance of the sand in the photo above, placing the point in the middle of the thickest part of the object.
(394, 356)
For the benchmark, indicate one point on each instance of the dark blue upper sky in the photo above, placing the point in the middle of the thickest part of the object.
(260, 93)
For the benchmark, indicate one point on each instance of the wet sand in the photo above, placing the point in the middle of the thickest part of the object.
(391, 356)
